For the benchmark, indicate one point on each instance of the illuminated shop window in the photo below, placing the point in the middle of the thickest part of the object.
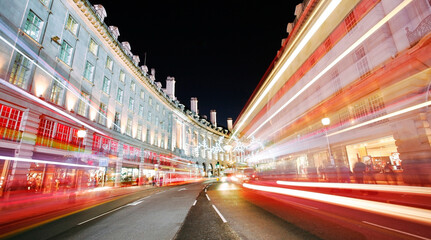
(33, 25)
(66, 51)
(58, 135)
(83, 104)
(129, 127)
(72, 25)
(93, 47)
(102, 114)
(89, 71)
(56, 90)
(117, 122)
(120, 95)
(20, 71)
(109, 63)
(106, 85)
(10, 123)
(131, 153)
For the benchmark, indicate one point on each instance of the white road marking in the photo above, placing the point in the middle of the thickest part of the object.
(182, 189)
(205, 190)
(195, 202)
(135, 203)
(208, 197)
(160, 192)
(221, 216)
(395, 230)
(103, 214)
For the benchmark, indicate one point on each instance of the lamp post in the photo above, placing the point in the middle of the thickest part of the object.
(326, 121)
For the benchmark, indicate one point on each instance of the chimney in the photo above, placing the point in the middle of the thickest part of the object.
(100, 11)
(229, 124)
(194, 105)
(170, 87)
(213, 117)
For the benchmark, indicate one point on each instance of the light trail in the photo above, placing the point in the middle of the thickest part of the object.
(326, 13)
(393, 210)
(336, 61)
(376, 187)
(44, 161)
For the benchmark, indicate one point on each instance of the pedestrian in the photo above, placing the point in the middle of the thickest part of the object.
(369, 172)
(344, 174)
(389, 173)
(358, 171)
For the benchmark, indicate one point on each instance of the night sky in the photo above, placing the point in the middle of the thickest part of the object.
(217, 50)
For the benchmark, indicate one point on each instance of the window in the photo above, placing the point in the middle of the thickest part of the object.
(106, 85)
(150, 101)
(33, 25)
(122, 76)
(72, 25)
(117, 122)
(141, 110)
(58, 135)
(20, 71)
(45, 2)
(109, 63)
(360, 110)
(129, 127)
(142, 94)
(149, 117)
(93, 47)
(89, 71)
(336, 84)
(132, 86)
(131, 103)
(10, 123)
(157, 107)
(350, 21)
(83, 104)
(139, 132)
(66, 53)
(56, 91)
(361, 62)
(102, 114)
(120, 95)
(104, 145)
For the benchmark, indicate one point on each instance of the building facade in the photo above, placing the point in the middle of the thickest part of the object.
(78, 110)
(350, 84)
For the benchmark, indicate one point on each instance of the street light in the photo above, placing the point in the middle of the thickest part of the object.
(326, 121)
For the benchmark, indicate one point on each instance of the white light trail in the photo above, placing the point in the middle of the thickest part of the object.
(326, 13)
(393, 210)
(44, 161)
(336, 61)
(375, 187)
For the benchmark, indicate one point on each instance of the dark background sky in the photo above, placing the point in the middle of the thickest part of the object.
(217, 50)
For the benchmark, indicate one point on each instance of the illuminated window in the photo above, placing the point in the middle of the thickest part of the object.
(122, 76)
(120, 95)
(106, 85)
(56, 91)
(350, 21)
(83, 104)
(142, 94)
(10, 123)
(117, 122)
(109, 63)
(131, 103)
(132, 86)
(102, 114)
(72, 25)
(129, 127)
(157, 107)
(336, 83)
(66, 53)
(141, 110)
(93, 47)
(89, 71)
(150, 101)
(360, 110)
(33, 25)
(20, 71)
(104, 145)
(58, 135)
(139, 132)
